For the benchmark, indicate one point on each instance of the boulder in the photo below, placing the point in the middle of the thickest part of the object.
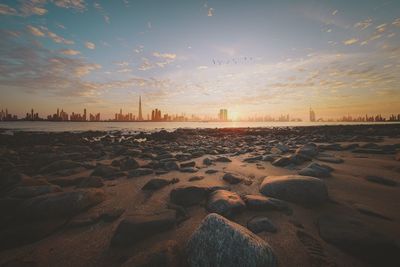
(258, 202)
(259, 224)
(220, 242)
(106, 172)
(304, 190)
(307, 151)
(225, 203)
(134, 228)
(188, 195)
(211, 171)
(189, 169)
(33, 191)
(207, 161)
(128, 164)
(196, 178)
(60, 165)
(223, 159)
(157, 183)
(171, 166)
(91, 181)
(232, 178)
(353, 236)
(188, 164)
(59, 205)
(316, 170)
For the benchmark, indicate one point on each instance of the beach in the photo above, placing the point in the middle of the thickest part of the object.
(287, 196)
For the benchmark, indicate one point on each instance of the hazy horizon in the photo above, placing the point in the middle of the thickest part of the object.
(195, 57)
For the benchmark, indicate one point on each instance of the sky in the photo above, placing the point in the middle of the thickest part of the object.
(252, 57)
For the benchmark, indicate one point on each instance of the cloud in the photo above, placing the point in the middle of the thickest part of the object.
(90, 45)
(363, 24)
(165, 55)
(381, 28)
(35, 31)
(7, 10)
(70, 52)
(210, 12)
(202, 67)
(396, 22)
(334, 12)
(58, 39)
(78, 5)
(102, 12)
(350, 41)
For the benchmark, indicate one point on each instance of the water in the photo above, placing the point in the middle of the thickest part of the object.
(48, 126)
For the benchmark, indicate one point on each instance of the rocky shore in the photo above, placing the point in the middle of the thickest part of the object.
(302, 196)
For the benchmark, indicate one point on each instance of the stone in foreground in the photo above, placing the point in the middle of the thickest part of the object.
(225, 203)
(220, 242)
(316, 170)
(188, 195)
(261, 223)
(137, 227)
(304, 190)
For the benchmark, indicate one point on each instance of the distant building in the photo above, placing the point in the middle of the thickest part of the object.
(140, 116)
(156, 115)
(312, 115)
(223, 115)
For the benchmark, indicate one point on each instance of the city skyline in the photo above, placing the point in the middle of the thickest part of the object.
(338, 57)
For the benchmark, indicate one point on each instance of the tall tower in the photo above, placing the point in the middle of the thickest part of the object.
(140, 118)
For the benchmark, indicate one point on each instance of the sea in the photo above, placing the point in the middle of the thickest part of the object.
(109, 126)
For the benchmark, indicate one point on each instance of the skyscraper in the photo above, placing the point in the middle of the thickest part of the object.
(140, 117)
(312, 115)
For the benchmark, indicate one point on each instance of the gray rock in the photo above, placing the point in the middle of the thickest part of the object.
(188, 164)
(189, 169)
(287, 160)
(128, 164)
(171, 166)
(330, 159)
(225, 203)
(211, 171)
(232, 178)
(259, 224)
(307, 151)
(316, 170)
(140, 172)
(223, 159)
(157, 183)
(305, 190)
(220, 242)
(253, 159)
(279, 148)
(258, 202)
(107, 172)
(207, 161)
(196, 178)
(188, 195)
(353, 236)
(60, 165)
(183, 156)
(134, 228)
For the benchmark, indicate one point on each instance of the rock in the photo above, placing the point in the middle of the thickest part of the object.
(183, 156)
(259, 224)
(210, 171)
(59, 205)
(91, 181)
(196, 178)
(60, 165)
(189, 169)
(316, 170)
(33, 191)
(307, 151)
(106, 172)
(330, 159)
(222, 159)
(140, 172)
(225, 203)
(305, 190)
(279, 149)
(232, 179)
(164, 253)
(369, 212)
(220, 242)
(335, 147)
(188, 164)
(66, 181)
(112, 214)
(157, 183)
(381, 180)
(258, 202)
(286, 160)
(128, 164)
(134, 228)
(188, 195)
(358, 239)
(350, 146)
(253, 159)
(171, 166)
(207, 161)
(370, 151)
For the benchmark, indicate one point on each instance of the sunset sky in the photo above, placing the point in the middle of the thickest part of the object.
(195, 57)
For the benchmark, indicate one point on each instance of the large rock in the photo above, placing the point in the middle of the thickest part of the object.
(356, 238)
(258, 202)
(220, 242)
(137, 227)
(380, 180)
(259, 224)
(188, 195)
(128, 164)
(232, 178)
(316, 170)
(225, 203)
(107, 172)
(60, 205)
(305, 190)
(140, 172)
(158, 183)
(91, 181)
(307, 151)
(33, 191)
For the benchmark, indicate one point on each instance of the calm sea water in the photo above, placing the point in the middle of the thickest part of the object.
(47, 126)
